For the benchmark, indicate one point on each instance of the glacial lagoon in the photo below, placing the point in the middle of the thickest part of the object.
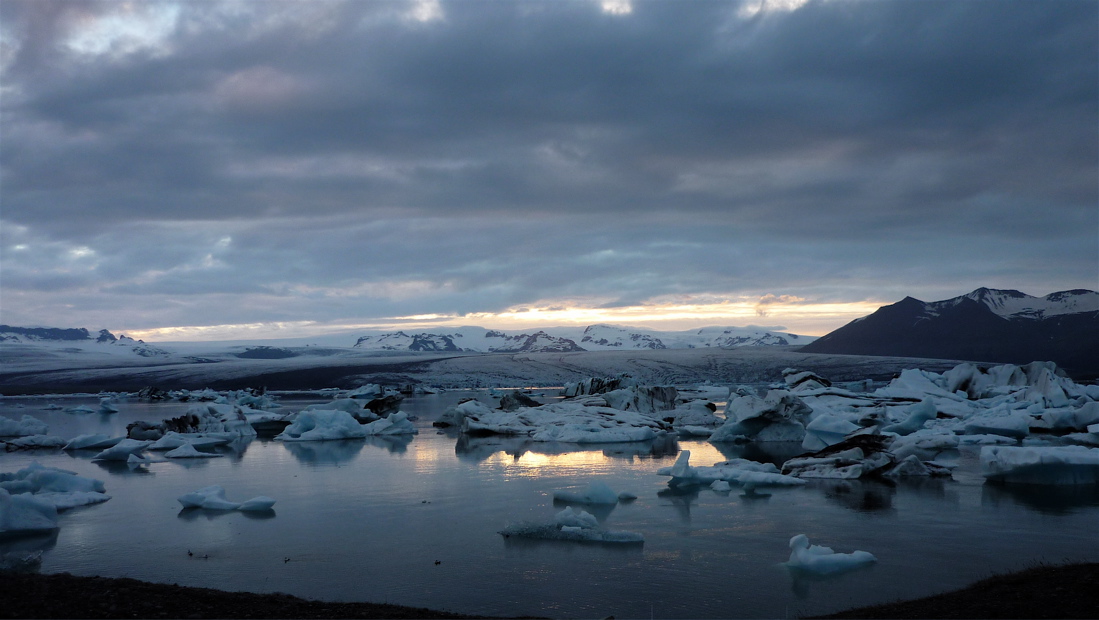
(415, 521)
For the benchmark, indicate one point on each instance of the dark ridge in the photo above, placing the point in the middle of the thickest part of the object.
(1042, 591)
(266, 353)
(48, 333)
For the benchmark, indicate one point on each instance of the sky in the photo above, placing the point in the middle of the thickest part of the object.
(219, 170)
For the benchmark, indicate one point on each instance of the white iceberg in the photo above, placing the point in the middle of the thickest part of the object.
(918, 415)
(570, 422)
(28, 442)
(25, 514)
(779, 416)
(122, 450)
(1061, 465)
(823, 560)
(22, 428)
(173, 440)
(213, 498)
(396, 424)
(58, 487)
(739, 471)
(188, 451)
(827, 429)
(96, 441)
(322, 425)
(572, 525)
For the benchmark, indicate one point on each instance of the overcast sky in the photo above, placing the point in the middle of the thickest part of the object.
(266, 168)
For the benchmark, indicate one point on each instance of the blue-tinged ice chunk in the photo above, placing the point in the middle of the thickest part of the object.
(25, 514)
(1059, 465)
(823, 560)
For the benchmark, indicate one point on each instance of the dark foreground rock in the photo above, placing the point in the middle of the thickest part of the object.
(68, 596)
(1068, 591)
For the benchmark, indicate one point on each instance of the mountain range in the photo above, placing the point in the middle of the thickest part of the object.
(988, 325)
(563, 340)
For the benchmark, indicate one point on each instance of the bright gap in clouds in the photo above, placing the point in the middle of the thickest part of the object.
(778, 313)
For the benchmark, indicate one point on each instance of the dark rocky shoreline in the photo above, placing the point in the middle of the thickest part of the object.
(1067, 591)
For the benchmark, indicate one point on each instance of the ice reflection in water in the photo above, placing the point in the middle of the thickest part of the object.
(368, 519)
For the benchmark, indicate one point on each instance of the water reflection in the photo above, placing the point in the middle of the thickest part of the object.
(325, 452)
(194, 514)
(480, 449)
(522, 543)
(803, 582)
(394, 444)
(24, 544)
(859, 495)
(1050, 499)
(680, 498)
(775, 452)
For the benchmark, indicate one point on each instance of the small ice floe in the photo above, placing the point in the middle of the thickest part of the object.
(24, 514)
(96, 441)
(572, 525)
(53, 407)
(823, 560)
(827, 429)
(60, 488)
(106, 405)
(322, 425)
(453, 416)
(597, 493)
(23, 427)
(188, 451)
(696, 417)
(720, 486)
(122, 450)
(32, 442)
(213, 498)
(396, 424)
(81, 409)
(173, 440)
(1061, 465)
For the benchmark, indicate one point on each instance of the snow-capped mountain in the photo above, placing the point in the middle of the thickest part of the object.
(75, 337)
(988, 325)
(566, 339)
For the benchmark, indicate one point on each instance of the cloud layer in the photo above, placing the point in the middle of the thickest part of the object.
(208, 163)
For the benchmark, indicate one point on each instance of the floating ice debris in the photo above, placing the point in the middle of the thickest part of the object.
(30, 442)
(188, 451)
(571, 525)
(453, 416)
(694, 415)
(1000, 421)
(22, 428)
(597, 493)
(213, 498)
(82, 409)
(739, 471)
(823, 560)
(368, 391)
(172, 440)
(322, 425)
(25, 514)
(60, 488)
(106, 405)
(1063, 465)
(91, 442)
(396, 424)
(570, 422)
(720, 486)
(122, 450)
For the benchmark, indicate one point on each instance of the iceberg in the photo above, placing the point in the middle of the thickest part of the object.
(22, 428)
(918, 415)
(188, 451)
(122, 450)
(779, 416)
(24, 514)
(91, 442)
(569, 422)
(396, 424)
(823, 560)
(213, 498)
(739, 471)
(30, 442)
(60, 488)
(572, 525)
(1059, 465)
(322, 425)
(827, 429)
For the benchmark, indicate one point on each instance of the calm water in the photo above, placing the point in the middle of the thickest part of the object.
(368, 521)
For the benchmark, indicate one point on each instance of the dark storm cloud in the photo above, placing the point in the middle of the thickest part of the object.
(509, 152)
